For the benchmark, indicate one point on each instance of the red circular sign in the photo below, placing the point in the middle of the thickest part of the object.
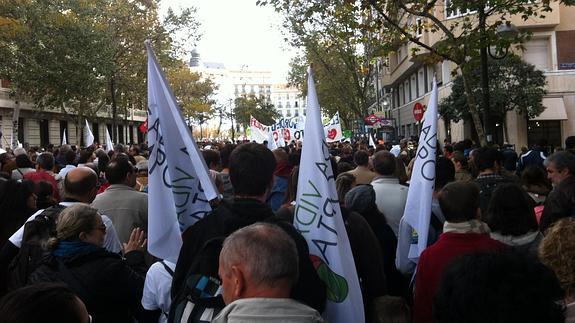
(418, 111)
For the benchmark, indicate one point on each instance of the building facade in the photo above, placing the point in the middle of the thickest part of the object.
(551, 49)
(44, 127)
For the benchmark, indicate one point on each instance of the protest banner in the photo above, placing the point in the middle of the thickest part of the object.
(318, 218)
(179, 187)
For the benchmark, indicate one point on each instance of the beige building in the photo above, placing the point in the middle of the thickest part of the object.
(551, 49)
(40, 128)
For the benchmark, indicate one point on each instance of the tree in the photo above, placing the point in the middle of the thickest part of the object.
(342, 53)
(256, 107)
(463, 40)
(514, 85)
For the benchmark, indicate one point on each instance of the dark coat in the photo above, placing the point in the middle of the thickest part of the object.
(234, 214)
(560, 203)
(110, 286)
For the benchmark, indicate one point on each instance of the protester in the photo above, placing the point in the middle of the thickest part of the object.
(281, 174)
(24, 166)
(462, 173)
(512, 221)
(557, 251)
(259, 267)
(251, 173)
(110, 286)
(17, 202)
(404, 260)
(126, 207)
(488, 163)
(70, 159)
(224, 175)
(156, 298)
(534, 181)
(43, 302)
(536, 156)
(361, 199)
(561, 201)
(362, 173)
(390, 196)
(498, 287)
(463, 233)
(44, 168)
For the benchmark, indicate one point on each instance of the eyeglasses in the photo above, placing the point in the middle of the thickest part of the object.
(90, 317)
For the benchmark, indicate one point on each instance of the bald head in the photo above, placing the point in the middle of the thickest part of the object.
(80, 183)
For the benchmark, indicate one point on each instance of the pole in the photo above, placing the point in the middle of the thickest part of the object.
(114, 110)
(232, 120)
(487, 122)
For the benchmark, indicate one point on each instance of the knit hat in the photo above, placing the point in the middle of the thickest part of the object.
(360, 198)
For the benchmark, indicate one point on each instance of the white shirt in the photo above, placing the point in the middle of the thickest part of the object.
(111, 241)
(65, 170)
(157, 289)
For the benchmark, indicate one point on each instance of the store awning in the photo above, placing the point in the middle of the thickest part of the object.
(554, 110)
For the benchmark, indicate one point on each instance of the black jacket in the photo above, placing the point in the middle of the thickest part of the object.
(560, 203)
(234, 214)
(111, 287)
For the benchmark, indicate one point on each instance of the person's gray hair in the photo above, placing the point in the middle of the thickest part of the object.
(562, 160)
(266, 252)
(19, 151)
(46, 161)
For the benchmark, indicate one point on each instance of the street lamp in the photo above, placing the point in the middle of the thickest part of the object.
(505, 31)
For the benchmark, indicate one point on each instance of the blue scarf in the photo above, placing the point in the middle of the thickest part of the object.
(67, 249)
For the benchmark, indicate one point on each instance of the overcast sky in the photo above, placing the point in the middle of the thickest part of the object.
(237, 32)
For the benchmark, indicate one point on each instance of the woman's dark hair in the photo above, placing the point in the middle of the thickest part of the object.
(44, 193)
(510, 211)
(22, 161)
(535, 175)
(14, 197)
(291, 191)
(42, 302)
(498, 287)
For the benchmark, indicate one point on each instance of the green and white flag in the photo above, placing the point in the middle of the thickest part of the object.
(318, 218)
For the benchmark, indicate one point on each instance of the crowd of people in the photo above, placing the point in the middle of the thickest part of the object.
(500, 247)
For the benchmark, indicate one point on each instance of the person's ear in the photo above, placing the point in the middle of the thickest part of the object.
(239, 282)
(478, 213)
(82, 236)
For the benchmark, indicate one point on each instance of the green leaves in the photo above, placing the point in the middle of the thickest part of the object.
(245, 107)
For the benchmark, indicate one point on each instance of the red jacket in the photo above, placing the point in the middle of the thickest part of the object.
(433, 261)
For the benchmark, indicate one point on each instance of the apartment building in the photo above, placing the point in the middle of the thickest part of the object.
(407, 80)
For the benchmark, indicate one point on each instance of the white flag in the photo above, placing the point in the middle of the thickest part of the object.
(257, 130)
(109, 144)
(88, 135)
(318, 217)
(271, 141)
(332, 129)
(371, 141)
(179, 187)
(418, 205)
(64, 141)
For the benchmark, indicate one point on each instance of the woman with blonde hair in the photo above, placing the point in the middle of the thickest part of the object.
(109, 285)
(557, 251)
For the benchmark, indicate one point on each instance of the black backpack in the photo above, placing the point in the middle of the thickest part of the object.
(200, 299)
(36, 234)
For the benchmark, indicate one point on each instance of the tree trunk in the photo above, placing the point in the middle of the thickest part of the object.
(473, 108)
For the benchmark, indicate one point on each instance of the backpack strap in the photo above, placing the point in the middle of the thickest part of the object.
(167, 268)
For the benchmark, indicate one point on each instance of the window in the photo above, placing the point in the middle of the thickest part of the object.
(418, 27)
(401, 97)
(421, 82)
(537, 53)
(413, 85)
(451, 12)
(406, 91)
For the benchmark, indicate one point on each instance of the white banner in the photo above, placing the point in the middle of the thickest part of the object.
(258, 131)
(318, 217)
(64, 139)
(418, 205)
(88, 135)
(109, 144)
(179, 187)
(332, 129)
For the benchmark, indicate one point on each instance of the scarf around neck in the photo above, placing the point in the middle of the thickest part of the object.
(67, 249)
(472, 226)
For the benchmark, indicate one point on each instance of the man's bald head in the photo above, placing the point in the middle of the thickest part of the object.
(80, 183)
